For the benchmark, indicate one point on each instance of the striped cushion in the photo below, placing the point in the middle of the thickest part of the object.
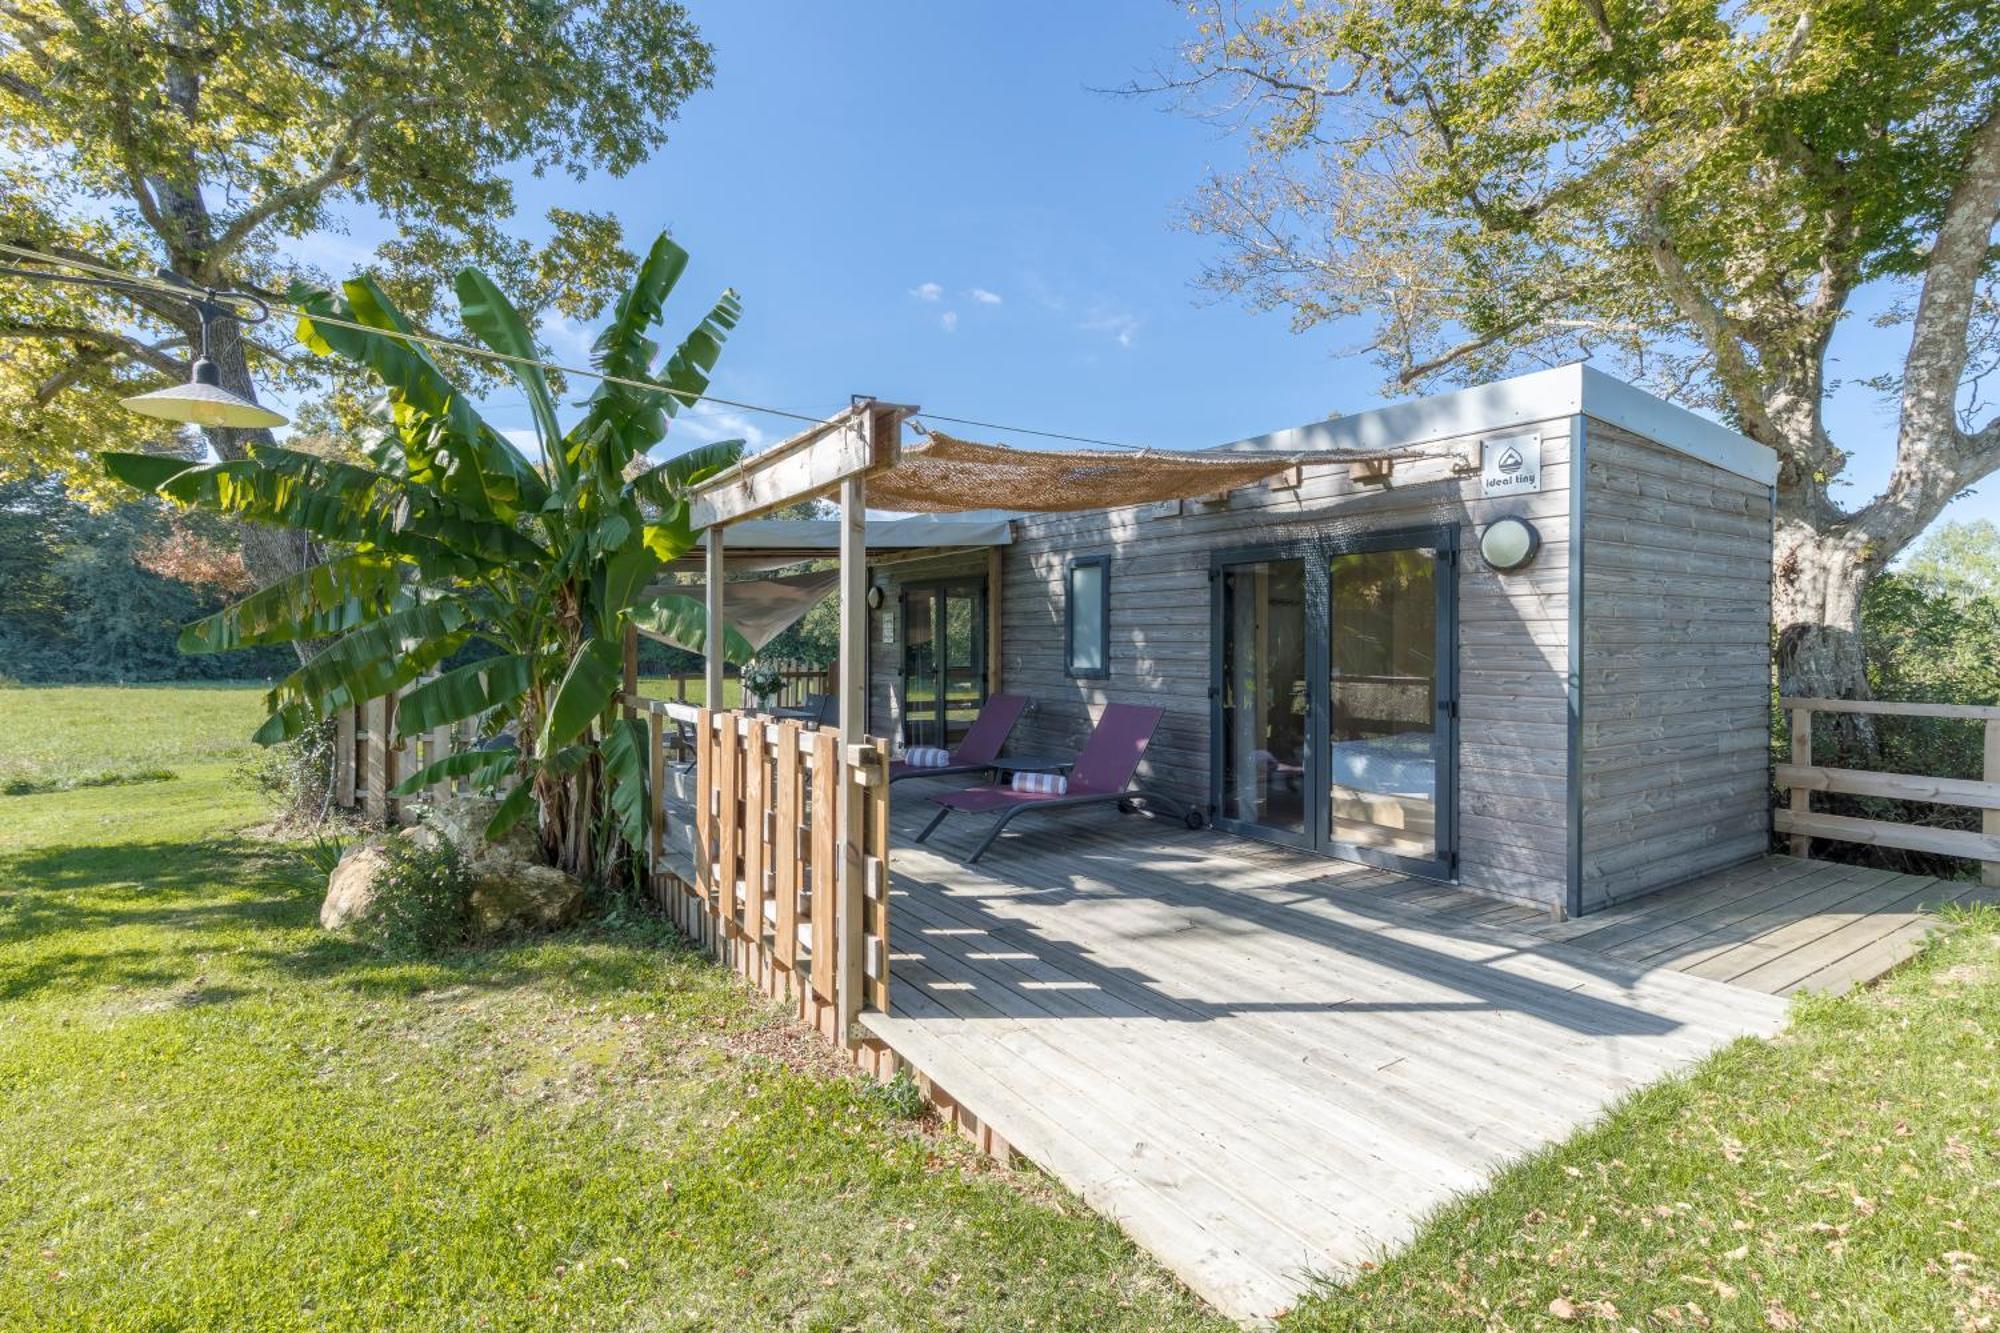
(926, 756)
(1052, 784)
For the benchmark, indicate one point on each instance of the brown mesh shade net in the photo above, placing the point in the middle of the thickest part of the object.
(945, 475)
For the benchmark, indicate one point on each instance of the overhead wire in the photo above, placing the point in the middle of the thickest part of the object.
(180, 292)
(165, 288)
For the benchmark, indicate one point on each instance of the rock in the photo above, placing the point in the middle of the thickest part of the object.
(350, 889)
(462, 820)
(523, 896)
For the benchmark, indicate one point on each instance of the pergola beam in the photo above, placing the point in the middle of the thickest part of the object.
(804, 467)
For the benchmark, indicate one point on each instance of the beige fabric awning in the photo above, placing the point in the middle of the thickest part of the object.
(946, 475)
(758, 609)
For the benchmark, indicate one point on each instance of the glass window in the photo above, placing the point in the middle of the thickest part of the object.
(1088, 623)
(1263, 694)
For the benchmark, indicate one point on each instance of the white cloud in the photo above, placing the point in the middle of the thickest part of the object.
(1120, 327)
(524, 439)
(949, 321)
(984, 297)
(928, 291)
(706, 422)
(568, 340)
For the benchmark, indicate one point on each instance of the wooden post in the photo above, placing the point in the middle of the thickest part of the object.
(375, 759)
(993, 655)
(881, 428)
(712, 644)
(631, 668)
(1802, 757)
(1989, 820)
(343, 758)
(656, 799)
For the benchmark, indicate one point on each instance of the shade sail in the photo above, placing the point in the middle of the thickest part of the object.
(758, 609)
(945, 475)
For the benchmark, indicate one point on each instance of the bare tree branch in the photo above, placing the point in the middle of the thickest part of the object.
(342, 161)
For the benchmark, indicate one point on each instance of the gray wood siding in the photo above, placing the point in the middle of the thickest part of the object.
(1675, 667)
(1512, 656)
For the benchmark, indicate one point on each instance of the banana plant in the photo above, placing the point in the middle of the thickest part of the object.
(452, 536)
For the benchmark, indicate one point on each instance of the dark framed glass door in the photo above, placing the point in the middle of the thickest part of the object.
(1334, 697)
(944, 659)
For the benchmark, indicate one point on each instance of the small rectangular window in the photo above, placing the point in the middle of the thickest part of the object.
(1087, 616)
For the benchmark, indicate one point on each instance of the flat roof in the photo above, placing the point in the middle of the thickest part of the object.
(1562, 391)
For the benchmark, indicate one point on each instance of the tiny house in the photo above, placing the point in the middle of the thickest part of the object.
(1519, 643)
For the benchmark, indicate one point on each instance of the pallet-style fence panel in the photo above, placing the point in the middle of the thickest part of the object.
(369, 759)
(1801, 777)
(772, 850)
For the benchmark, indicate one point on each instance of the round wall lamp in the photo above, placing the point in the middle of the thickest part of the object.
(874, 597)
(1508, 544)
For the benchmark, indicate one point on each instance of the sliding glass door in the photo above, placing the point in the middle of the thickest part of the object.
(944, 660)
(1334, 698)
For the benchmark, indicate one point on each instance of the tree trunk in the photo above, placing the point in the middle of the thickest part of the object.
(1816, 589)
(269, 553)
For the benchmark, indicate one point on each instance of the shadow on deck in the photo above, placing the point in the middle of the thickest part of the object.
(1268, 1065)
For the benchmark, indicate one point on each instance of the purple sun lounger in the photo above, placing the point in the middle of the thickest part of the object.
(981, 744)
(1102, 774)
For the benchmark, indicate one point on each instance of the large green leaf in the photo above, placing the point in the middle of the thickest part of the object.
(587, 689)
(688, 369)
(624, 752)
(147, 472)
(516, 804)
(494, 321)
(311, 604)
(482, 766)
(446, 443)
(665, 485)
(624, 420)
(380, 656)
(467, 691)
(676, 618)
(355, 506)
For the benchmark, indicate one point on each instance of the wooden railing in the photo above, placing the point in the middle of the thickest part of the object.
(1801, 778)
(774, 854)
(800, 679)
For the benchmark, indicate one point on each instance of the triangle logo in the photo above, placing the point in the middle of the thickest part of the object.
(1510, 460)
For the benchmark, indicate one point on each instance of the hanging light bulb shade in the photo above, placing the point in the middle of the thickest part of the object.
(202, 401)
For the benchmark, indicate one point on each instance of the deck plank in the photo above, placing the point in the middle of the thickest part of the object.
(1269, 1066)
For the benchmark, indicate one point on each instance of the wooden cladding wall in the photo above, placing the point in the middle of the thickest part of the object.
(1512, 657)
(761, 881)
(1676, 667)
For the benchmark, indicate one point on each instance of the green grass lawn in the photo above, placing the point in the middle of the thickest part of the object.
(1843, 1176)
(213, 1115)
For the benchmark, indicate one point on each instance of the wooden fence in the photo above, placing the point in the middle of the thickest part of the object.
(800, 679)
(369, 759)
(1801, 778)
(773, 852)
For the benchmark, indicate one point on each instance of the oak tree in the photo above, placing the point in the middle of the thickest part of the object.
(1699, 192)
(209, 136)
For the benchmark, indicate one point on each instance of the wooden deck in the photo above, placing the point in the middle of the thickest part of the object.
(1269, 1066)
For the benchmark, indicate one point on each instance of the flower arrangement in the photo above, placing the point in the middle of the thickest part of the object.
(762, 680)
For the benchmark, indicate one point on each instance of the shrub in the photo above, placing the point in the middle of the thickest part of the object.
(296, 775)
(423, 901)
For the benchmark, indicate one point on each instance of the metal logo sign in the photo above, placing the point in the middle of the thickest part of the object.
(1511, 465)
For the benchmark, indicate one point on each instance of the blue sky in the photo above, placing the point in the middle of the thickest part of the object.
(934, 204)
